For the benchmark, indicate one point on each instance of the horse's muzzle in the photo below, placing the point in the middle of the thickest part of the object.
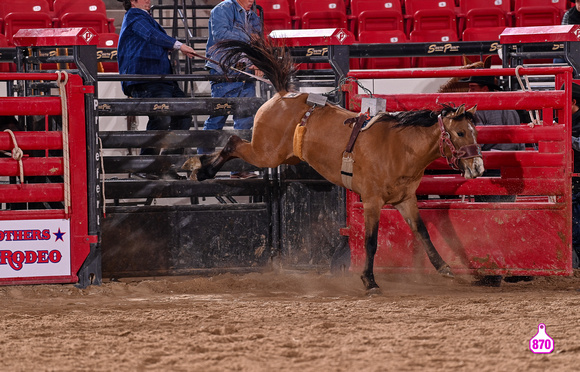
(468, 151)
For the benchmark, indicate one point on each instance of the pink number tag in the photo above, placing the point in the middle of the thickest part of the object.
(541, 343)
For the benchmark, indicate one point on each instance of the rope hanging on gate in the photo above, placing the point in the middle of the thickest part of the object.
(65, 148)
(17, 154)
(535, 118)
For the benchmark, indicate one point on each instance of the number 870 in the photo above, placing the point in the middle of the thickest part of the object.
(541, 344)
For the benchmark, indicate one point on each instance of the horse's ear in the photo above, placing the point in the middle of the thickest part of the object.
(487, 62)
(460, 111)
(472, 110)
(466, 60)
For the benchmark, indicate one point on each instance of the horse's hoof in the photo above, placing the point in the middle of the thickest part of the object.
(446, 272)
(192, 164)
(369, 283)
(375, 291)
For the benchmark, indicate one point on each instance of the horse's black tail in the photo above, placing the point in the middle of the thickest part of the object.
(275, 62)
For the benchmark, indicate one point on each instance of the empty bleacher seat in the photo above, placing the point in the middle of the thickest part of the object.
(483, 13)
(321, 13)
(384, 37)
(20, 14)
(537, 13)
(372, 15)
(484, 34)
(439, 36)
(430, 15)
(83, 13)
(276, 15)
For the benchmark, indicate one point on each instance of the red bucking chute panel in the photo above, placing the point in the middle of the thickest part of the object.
(530, 236)
(43, 196)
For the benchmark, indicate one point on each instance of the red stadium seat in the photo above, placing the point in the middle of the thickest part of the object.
(369, 15)
(18, 14)
(484, 34)
(108, 40)
(383, 37)
(537, 13)
(83, 13)
(412, 6)
(435, 19)
(439, 36)
(276, 15)
(430, 15)
(562, 5)
(483, 13)
(321, 13)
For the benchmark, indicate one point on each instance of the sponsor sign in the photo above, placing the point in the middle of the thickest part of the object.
(32, 248)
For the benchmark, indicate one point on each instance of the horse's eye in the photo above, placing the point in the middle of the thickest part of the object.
(460, 134)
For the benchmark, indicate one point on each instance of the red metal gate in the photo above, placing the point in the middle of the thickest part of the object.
(43, 221)
(531, 236)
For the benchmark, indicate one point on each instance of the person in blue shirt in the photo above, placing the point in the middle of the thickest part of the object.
(144, 49)
(231, 20)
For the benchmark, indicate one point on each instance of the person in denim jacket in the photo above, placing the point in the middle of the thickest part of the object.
(230, 20)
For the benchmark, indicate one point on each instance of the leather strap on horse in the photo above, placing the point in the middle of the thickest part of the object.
(299, 133)
(356, 128)
(346, 170)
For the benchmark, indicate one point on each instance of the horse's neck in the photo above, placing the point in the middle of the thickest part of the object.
(429, 138)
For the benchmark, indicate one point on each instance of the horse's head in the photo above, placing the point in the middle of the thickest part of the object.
(458, 141)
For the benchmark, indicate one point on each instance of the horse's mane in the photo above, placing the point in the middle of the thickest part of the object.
(421, 118)
(275, 62)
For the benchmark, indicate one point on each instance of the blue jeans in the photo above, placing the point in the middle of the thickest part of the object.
(227, 90)
(161, 90)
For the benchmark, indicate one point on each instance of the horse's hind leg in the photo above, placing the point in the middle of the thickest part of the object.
(410, 213)
(260, 153)
(205, 167)
(372, 212)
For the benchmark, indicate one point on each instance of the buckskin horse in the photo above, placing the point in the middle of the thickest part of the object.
(389, 157)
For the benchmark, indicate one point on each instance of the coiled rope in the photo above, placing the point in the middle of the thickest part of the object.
(17, 154)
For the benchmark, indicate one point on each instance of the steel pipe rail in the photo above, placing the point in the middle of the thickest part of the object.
(179, 106)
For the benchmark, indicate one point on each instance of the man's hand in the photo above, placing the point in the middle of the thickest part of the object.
(187, 50)
(257, 71)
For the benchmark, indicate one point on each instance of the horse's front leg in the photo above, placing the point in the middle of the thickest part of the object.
(410, 213)
(372, 213)
(205, 167)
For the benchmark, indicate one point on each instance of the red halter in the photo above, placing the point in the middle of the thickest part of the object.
(464, 152)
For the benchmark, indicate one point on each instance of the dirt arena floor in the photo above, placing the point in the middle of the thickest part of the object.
(289, 321)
